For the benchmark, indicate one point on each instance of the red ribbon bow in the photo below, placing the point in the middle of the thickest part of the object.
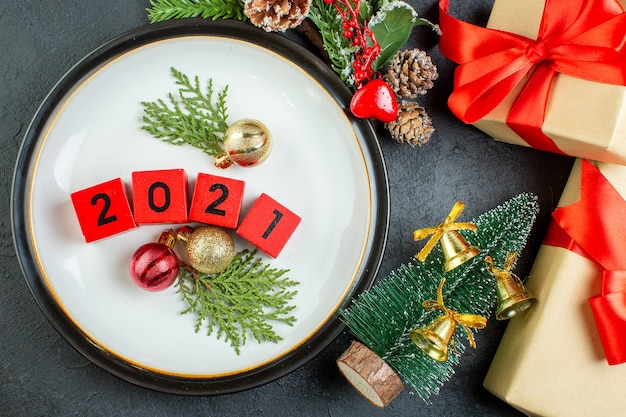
(583, 38)
(595, 227)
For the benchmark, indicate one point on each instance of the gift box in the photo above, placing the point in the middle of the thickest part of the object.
(565, 356)
(549, 74)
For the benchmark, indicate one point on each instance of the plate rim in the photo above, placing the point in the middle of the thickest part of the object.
(129, 41)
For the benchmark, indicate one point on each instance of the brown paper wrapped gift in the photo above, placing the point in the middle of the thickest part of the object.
(583, 118)
(550, 361)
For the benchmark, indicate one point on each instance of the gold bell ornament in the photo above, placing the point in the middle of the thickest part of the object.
(512, 297)
(210, 249)
(434, 339)
(455, 248)
(246, 143)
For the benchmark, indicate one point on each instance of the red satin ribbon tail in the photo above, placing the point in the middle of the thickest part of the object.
(523, 118)
(609, 312)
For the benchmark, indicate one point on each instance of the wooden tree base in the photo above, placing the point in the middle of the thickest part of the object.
(369, 374)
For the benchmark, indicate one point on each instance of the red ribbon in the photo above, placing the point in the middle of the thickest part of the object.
(595, 227)
(582, 38)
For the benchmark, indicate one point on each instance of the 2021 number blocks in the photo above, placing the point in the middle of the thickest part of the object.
(160, 196)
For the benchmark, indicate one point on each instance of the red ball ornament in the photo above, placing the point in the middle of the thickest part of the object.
(154, 266)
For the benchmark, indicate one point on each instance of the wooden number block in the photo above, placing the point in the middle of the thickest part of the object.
(103, 210)
(268, 225)
(217, 200)
(160, 196)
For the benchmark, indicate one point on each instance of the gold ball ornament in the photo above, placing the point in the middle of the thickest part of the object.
(246, 143)
(210, 249)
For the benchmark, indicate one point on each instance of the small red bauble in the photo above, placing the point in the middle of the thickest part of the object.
(154, 266)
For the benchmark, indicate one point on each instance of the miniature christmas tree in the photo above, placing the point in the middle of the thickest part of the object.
(384, 317)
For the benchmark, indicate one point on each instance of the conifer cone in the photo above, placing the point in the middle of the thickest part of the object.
(413, 125)
(276, 15)
(411, 73)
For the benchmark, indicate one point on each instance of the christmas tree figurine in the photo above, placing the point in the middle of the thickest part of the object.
(384, 317)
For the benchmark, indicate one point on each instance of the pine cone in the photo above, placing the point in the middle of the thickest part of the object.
(411, 73)
(276, 15)
(413, 125)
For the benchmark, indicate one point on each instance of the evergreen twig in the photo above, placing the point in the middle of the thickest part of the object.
(162, 10)
(339, 49)
(191, 117)
(242, 300)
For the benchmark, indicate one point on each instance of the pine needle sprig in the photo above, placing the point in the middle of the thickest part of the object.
(382, 317)
(340, 50)
(242, 300)
(191, 117)
(163, 10)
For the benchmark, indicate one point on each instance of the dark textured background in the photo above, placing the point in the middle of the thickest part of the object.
(41, 375)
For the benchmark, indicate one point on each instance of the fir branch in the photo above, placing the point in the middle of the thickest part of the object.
(340, 50)
(191, 117)
(163, 10)
(383, 317)
(391, 21)
(239, 301)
